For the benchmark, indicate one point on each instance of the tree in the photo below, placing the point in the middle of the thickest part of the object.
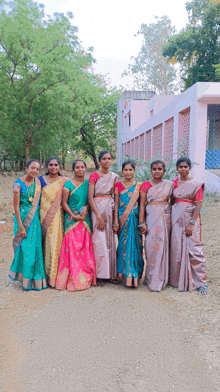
(95, 116)
(197, 47)
(41, 62)
(150, 69)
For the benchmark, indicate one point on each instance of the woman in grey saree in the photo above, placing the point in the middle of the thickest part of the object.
(187, 261)
(101, 189)
(155, 194)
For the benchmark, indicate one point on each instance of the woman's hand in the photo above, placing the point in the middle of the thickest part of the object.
(78, 217)
(189, 230)
(84, 213)
(115, 227)
(143, 229)
(100, 223)
(22, 233)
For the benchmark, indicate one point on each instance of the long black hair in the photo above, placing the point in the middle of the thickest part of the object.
(78, 160)
(50, 159)
(103, 153)
(183, 159)
(125, 163)
(29, 162)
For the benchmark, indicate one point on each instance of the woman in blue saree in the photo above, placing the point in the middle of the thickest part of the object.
(27, 265)
(130, 262)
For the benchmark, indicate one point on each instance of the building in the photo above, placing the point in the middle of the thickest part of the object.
(148, 125)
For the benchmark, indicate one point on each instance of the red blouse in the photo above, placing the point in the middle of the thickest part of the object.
(145, 186)
(198, 196)
(94, 178)
(119, 187)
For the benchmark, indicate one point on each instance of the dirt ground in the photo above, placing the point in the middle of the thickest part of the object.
(109, 338)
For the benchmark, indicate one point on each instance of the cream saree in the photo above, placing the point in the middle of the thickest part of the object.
(158, 221)
(51, 217)
(187, 261)
(104, 241)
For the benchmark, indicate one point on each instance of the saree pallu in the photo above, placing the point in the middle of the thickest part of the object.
(104, 241)
(130, 262)
(158, 222)
(27, 265)
(51, 216)
(187, 261)
(77, 264)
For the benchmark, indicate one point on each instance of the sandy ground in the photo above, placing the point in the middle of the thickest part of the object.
(109, 338)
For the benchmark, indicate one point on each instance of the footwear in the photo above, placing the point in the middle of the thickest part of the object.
(203, 290)
(99, 282)
(115, 281)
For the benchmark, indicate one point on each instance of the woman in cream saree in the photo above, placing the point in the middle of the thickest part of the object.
(101, 189)
(187, 261)
(155, 194)
(51, 216)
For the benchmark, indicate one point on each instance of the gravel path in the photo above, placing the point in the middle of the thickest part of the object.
(111, 338)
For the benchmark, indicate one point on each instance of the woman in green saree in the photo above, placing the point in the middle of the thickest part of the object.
(77, 264)
(27, 265)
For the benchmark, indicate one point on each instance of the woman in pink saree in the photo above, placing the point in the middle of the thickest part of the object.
(187, 261)
(77, 264)
(156, 194)
(101, 189)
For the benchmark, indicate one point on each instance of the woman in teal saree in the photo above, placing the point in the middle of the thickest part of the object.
(130, 262)
(27, 265)
(77, 264)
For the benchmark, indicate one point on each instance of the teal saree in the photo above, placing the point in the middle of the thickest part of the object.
(130, 261)
(27, 265)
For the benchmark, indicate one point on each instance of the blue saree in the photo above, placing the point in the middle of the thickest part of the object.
(130, 260)
(27, 265)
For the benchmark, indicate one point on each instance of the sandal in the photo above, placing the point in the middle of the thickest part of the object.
(115, 281)
(203, 290)
(99, 283)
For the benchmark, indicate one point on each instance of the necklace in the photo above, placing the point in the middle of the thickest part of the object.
(52, 180)
(77, 183)
(30, 197)
(128, 184)
(188, 179)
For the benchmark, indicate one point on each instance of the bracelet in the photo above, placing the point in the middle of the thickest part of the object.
(21, 228)
(116, 225)
(142, 224)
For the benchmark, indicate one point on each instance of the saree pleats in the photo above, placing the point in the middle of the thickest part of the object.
(51, 216)
(77, 267)
(27, 265)
(77, 264)
(187, 261)
(130, 262)
(104, 241)
(158, 221)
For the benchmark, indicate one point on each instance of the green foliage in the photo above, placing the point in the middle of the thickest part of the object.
(197, 47)
(150, 69)
(143, 169)
(48, 91)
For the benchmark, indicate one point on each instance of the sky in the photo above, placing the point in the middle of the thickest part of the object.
(110, 28)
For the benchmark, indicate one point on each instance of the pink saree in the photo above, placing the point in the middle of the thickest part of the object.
(187, 261)
(104, 241)
(158, 221)
(77, 264)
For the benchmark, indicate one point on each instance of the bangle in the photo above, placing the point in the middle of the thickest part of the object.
(141, 225)
(115, 225)
(21, 228)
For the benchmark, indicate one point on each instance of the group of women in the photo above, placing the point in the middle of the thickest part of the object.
(65, 230)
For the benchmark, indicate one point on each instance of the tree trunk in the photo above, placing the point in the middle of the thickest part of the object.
(27, 151)
(87, 143)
